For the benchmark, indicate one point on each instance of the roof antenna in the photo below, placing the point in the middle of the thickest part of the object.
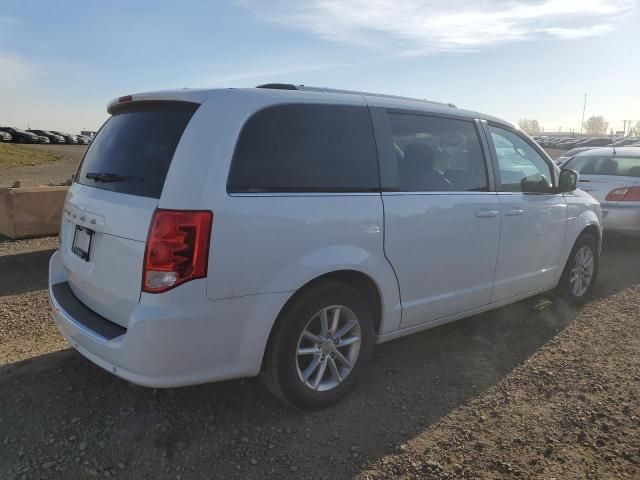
(613, 143)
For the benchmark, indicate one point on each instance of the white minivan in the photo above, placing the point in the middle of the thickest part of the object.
(284, 230)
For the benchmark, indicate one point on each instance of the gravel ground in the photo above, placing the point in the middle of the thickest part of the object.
(534, 390)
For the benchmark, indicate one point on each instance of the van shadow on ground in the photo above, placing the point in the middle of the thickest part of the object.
(24, 272)
(54, 402)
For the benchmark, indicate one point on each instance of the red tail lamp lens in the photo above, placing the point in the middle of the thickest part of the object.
(624, 194)
(177, 249)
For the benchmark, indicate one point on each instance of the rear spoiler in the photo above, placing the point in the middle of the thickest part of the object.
(185, 95)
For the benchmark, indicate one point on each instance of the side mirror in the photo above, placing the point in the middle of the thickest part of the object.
(568, 181)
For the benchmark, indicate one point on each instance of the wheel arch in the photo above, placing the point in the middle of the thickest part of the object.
(588, 225)
(363, 282)
(593, 230)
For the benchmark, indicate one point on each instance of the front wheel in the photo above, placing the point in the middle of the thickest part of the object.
(580, 273)
(320, 346)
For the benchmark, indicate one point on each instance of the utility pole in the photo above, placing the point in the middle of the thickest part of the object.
(584, 107)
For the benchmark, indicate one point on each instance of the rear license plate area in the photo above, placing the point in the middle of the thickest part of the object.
(82, 242)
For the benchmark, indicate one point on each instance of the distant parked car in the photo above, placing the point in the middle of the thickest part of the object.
(53, 138)
(547, 141)
(556, 141)
(82, 140)
(43, 139)
(5, 137)
(68, 138)
(614, 180)
(594, 142)
(562, 143)
(572, 143)
(623, 142)
(20, 136)
(569, 154)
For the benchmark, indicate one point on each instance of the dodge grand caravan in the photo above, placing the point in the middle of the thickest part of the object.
(283, 231)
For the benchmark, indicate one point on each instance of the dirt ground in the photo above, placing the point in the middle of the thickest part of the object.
(55, 165)
(534, 390)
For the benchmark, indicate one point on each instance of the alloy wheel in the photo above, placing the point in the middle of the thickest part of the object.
(328, 348)
(582, 271)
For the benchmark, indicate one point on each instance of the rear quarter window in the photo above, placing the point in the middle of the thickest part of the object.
(306, 148)
(135, 147)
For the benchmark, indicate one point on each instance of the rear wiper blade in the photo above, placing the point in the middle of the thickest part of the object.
(110, 177)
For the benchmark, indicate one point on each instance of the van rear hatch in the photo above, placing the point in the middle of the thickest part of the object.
(109, 207)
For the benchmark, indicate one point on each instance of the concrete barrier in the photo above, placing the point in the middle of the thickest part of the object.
(31, 211)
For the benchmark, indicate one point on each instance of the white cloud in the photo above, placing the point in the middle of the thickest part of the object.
(266, 74)
(15, 71)
(431, 26)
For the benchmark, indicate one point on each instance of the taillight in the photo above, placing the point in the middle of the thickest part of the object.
(177, 249)
(624, 194)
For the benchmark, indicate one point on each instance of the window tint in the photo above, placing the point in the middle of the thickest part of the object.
(306, 148)
(605, 165)
(134, 149)
(522, 169)
(437, 154)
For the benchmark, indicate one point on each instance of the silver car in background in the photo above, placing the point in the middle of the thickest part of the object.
(569, 154)
(613, 178)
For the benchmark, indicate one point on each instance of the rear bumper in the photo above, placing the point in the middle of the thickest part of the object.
(621, 218)
(173, 339)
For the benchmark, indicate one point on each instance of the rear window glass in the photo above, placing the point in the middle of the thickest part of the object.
(132, 152)
(605, 165)
(306, 148)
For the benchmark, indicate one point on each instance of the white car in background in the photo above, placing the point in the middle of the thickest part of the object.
(613, 178)
(284, 230)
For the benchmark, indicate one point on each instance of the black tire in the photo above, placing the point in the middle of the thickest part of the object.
(564, 288)
(280, 370)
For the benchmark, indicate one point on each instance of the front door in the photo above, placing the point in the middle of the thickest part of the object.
(442, 222)
(534, 218)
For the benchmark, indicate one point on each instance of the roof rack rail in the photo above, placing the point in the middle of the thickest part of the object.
(305, 88)
(278, 86)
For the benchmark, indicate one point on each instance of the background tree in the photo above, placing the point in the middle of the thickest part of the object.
(532, 127)
(636, 129)
(596, 125)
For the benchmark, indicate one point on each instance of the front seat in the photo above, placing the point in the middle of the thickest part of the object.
(417, 173)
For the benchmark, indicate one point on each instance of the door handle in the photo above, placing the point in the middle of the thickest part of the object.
(515, 212)
(485, 213)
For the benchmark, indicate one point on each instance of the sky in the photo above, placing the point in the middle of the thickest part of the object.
(61, 62)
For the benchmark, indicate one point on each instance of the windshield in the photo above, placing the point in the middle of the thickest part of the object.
(132, 152)
(605, 165)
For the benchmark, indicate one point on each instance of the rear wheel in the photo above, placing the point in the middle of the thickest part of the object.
(320, 347)
(580, 273)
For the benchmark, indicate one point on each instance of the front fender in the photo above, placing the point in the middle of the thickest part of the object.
(580, 215)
